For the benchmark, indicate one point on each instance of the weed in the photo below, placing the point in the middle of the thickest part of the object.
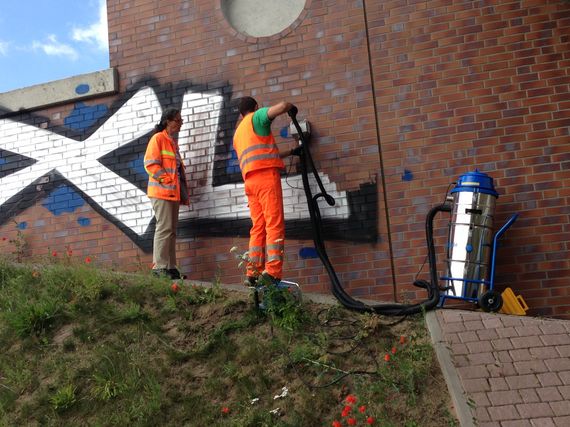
(64, 398)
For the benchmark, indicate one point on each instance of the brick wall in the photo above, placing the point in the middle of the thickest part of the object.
(402, 97)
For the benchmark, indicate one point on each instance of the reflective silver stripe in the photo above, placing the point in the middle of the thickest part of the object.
(255, 259)
(170, 170)
(255, 249)
(258, 147)
(274, 258)
(159, 174)
(275, 246)
(152, 162)
(258, 157)
(165, 186)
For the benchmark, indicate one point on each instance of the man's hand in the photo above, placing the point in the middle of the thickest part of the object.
(293, 111)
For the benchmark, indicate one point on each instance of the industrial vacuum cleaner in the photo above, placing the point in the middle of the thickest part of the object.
(472, 246)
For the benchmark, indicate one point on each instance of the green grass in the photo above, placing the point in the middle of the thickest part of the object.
(83, 346)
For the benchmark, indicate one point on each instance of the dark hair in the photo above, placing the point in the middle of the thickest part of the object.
(247, 105)
(169, 114)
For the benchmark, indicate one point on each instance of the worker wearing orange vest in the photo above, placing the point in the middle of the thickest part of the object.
(167, 189)
(261, 163)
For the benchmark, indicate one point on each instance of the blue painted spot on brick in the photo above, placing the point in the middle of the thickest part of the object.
(22, 225)
(284, 132)
(63, 199)
(232, 164)
(83, 116)
(82, 89)
(308, 253)
(408, 175)
(84, 222)
(138, 164)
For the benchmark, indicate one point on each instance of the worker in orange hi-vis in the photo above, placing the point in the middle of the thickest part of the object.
(261, 164)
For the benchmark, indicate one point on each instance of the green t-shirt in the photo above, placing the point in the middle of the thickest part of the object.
(261, 123)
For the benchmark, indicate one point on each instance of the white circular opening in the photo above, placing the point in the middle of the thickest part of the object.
(261, 18)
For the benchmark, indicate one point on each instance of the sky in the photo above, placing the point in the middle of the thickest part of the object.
(46, 40)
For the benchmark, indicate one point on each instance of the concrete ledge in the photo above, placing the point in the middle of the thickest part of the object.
(72, 89)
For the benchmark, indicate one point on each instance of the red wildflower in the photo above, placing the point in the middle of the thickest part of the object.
(54, 253)
(362, 409)
(344, 413)
(352, 421)
(3, 238)
(393, 350)
(336, 423)
(88, 260)
(402, 339)
(225, 410)
(175, 288)
(387, 357)
(350, 398)
(370, 420)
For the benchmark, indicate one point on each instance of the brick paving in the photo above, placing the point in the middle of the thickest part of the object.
(504, 370)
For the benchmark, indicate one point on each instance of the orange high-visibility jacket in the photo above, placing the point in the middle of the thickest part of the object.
(160, 164)
(255, 152)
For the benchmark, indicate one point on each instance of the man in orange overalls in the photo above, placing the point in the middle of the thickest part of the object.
(261, 163)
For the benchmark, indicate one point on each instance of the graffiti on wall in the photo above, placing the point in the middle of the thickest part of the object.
(102, 165)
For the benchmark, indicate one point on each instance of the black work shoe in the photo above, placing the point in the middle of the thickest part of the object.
(160, 272)
(268, 279)
(174, 274)
(250, 281)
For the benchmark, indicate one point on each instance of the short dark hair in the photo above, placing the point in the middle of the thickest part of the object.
(247, 105)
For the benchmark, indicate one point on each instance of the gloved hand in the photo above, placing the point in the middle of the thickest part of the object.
(293, 111)
(297, 151)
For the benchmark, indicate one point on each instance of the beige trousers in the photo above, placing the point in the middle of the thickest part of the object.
(164, 247)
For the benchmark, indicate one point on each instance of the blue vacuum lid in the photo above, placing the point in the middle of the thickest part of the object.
(475, 182)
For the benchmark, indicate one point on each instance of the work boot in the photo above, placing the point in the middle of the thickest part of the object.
(267, 279)
(174, 274)
(250, 281)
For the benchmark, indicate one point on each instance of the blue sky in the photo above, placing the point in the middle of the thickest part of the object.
(45, 40)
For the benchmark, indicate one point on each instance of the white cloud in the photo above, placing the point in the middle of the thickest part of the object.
(54, 48)
(4, 47)
(96, 33)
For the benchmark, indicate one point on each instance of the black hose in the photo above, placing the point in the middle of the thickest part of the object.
(337, 289)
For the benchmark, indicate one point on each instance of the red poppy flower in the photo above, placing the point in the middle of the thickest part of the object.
(54, 253)
(402, 339)
(350, 398)
(370, 420)
(175, 288)
(387, 357)
(88, 260)
(393, 350)
(362, 409)
(225, 410)
(351, 421)
(336, 423)
(344, 414)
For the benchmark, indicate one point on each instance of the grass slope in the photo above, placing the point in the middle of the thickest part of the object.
(82, 346)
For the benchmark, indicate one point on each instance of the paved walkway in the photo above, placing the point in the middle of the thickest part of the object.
(504, 370)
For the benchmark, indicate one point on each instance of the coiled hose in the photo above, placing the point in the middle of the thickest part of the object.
(337, 289)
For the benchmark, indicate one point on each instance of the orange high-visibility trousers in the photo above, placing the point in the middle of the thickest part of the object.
(267, 235)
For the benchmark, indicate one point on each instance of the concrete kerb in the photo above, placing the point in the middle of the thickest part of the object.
(462, 408)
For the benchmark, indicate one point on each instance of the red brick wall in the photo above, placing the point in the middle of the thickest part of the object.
(405, 95)
(468, 84)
